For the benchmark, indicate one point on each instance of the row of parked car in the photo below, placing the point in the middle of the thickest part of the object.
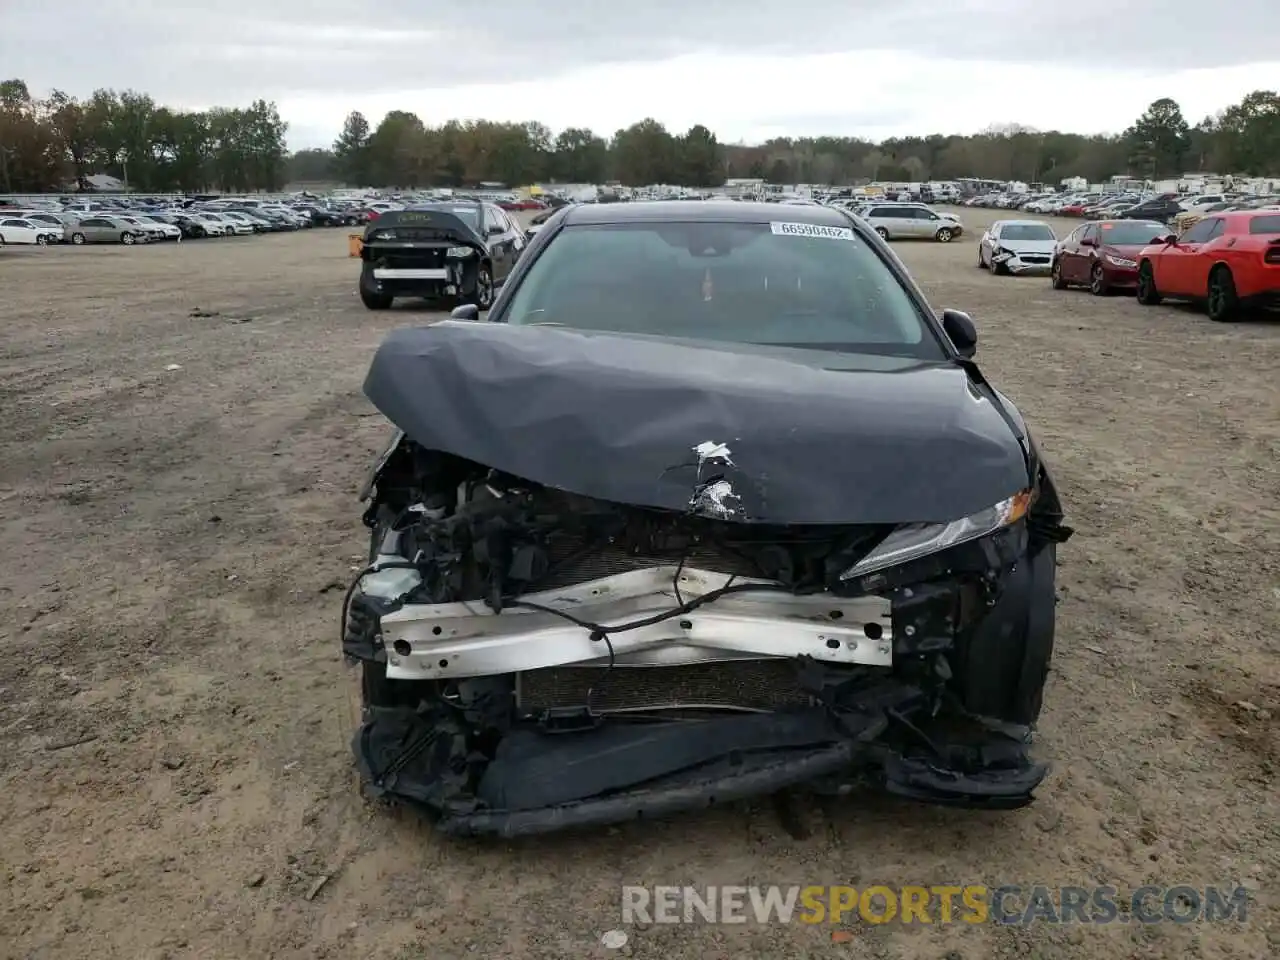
(1167, 208)
(1228, 261)
(137, 221)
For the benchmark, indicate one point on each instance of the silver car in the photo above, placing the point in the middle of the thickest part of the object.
(901, 221)
(104, 228)
(1017, 246)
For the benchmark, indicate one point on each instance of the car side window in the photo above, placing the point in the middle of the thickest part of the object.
(492, 218)
(1219, 227)
(1200, 231)
(1090, 233)
(922, 214)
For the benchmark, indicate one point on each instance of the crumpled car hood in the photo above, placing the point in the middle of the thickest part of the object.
(650, 422)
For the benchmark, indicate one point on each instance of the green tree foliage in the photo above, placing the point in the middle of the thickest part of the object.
(59, 142)
(1159, 140)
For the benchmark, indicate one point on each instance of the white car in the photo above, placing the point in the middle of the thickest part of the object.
(232, 226)
(55, 222)
(211, 227)
(22, 230)
(145, 228)
(169, 231)
(1017, 246)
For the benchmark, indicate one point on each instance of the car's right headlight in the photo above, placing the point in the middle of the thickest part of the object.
(913, 541)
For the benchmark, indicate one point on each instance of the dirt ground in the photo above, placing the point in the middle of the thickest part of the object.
(183, 435)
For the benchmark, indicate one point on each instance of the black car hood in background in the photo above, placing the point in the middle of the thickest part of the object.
(618, 418)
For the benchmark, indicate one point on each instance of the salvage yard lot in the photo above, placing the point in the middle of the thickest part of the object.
(174, 714)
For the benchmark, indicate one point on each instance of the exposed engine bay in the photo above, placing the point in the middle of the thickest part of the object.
(535, 659)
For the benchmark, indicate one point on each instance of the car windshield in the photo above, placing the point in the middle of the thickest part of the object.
(771, 284)
(1026, 231)
(1133, 234)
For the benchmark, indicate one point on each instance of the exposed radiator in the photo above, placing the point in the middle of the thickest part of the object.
(752, 684)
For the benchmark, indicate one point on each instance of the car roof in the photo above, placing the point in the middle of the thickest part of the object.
(1020, 223)
(669, 211)
(1098, 223)
(442, 205)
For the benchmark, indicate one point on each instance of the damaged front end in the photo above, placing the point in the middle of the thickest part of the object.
(433, 254)
(536, 659)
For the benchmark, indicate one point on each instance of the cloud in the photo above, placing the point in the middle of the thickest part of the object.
(748, 71)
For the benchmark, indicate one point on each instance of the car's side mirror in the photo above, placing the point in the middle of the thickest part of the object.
(1088, 242)
(959, 328)
(493, 230)
(467, 311)
(1169, 239)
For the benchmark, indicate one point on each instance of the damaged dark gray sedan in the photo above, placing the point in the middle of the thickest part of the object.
(711, 506)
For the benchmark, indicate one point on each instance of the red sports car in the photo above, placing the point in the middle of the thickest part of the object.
(1104, 255)
(1228, 261)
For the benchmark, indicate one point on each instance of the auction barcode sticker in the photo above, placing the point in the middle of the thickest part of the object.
(811, 230)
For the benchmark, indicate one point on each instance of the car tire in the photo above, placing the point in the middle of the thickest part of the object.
(1007, 658)
(127, 238)
(1055, 276)
(373, 298)
(42, 240)
(1098, 281)
(77, 238)
(999, 269)
(884, 234)
(482, 295)
(944, 235)
(982, 264)
(1148, 295)
(1223, 302)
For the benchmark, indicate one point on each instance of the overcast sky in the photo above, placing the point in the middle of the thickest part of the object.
(748, 69)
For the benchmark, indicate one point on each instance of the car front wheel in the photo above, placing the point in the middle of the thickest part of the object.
(127, 239)
(1098, 281)
(482, 295)
(1055, 276)
(1148, 295)
(944, 235)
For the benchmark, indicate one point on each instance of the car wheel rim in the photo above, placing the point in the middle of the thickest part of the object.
(1097, 280)
(1217, 296)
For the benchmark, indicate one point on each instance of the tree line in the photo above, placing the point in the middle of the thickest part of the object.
(47, 144)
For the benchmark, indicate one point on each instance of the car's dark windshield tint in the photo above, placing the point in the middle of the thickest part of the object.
(1265, 225)
(756, 283)
(1026, 231)
(1132, 234)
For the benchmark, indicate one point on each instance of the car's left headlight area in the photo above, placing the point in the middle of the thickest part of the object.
(916, 540)
(972, 603)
